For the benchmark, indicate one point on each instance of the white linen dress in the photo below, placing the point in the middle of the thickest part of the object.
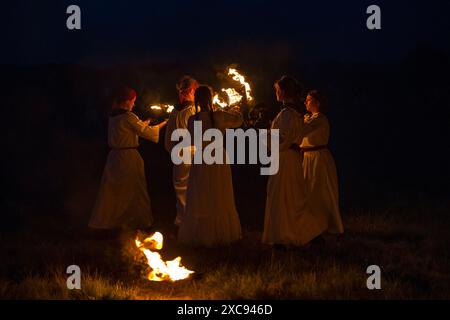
(288, 218)
(211, 218)
(123, 198)
(320, 173)
(178, 119)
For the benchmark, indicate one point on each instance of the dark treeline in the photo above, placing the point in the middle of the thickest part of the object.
(389, 124)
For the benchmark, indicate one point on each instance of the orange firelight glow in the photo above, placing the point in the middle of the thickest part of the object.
(232, 95)
(161, 270)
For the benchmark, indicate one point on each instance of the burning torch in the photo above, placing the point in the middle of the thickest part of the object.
(239, 97)
(156, 112)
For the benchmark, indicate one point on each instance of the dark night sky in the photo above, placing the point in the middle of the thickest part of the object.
(141, 31)
(378, 127)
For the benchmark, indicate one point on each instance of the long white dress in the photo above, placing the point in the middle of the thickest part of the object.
(123, 198)
(288, 218)
(178, 119)
(211, 218)
(320, 173)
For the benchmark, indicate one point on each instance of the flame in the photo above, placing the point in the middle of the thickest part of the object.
(233, 96)
(219, 102)
(241, 79)
(166, 107)
(170, 108)
(161, 270)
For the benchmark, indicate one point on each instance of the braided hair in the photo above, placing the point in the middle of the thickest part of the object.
(203, 101)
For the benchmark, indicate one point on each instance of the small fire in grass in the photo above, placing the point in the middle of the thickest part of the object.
(161, 270)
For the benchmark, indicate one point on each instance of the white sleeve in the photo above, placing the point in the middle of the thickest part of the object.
(316, 132)
(142, 130)
(170, 127)
(289, 124)
(228, 119)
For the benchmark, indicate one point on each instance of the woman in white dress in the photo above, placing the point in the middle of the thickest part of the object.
(318, 165)
(123, 199)
(288, 218)
(211, 218)
(179, 120)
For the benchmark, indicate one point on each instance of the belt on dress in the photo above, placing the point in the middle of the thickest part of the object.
(124, 148)
(316, 148)
(295, 147)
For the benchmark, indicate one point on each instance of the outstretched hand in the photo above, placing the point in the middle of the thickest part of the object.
(162, 124)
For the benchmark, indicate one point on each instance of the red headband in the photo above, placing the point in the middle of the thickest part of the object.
(127, 94)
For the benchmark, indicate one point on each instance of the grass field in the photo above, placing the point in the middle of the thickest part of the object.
(412, 249)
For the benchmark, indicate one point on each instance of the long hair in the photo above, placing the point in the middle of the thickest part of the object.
(291, 88)
(203, 101)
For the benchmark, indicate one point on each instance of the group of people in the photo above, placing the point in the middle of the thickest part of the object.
(302, 197)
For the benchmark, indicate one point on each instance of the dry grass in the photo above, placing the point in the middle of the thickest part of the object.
(412, 251)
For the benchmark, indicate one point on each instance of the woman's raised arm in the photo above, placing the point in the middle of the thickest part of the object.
(142, 128)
